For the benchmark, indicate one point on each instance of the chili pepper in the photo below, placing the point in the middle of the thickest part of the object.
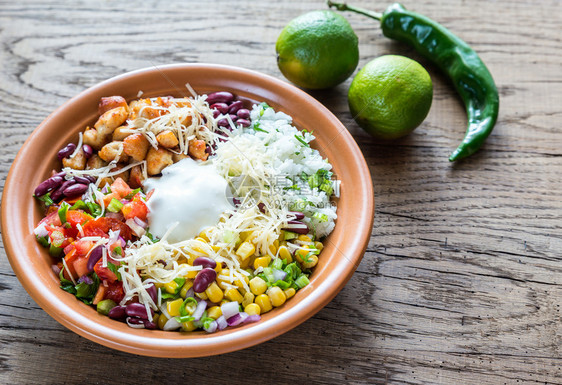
(469, 74)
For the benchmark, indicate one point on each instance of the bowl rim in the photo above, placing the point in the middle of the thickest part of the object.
(204, 345)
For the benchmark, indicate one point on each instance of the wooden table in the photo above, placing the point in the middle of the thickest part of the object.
(462, 279)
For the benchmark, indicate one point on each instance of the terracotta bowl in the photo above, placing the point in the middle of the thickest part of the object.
(34, 162)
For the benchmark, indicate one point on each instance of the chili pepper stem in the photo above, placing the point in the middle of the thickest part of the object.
(362, 11)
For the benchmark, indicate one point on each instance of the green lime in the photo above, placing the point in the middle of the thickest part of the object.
(317, 50)
(390, 96)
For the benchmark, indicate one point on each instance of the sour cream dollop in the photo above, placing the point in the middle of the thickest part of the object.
(188, 193)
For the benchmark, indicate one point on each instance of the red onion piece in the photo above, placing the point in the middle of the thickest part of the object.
(229, 309)
(253, 318)
(199, 310)
(237, 319)
(221, 323)
(279, 275)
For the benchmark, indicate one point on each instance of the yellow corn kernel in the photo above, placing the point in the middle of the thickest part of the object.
(272, 249)
(188, 326)
(203, 234)
(245, 263)
(310, 261)
(214, 312)
(262, 262)
(158, 285)
(218, 268)
(185, 288)
(301, 254)
(171, 287)
(233, 295)
(248, 299)
(192, 274)
(304, 238)
(215, 248)
(284, 253)
(161, 321)
(223, 278)
(245, 250)
(173, 307)
(214, 292)
(319, 245)
(276, 243)
(276, 296)
(202, 296)
(289, 292)
(264, 303)
(252, 309)
(258, 286)
(201, 239)
(239, 284)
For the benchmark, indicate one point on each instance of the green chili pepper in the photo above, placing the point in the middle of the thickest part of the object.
(469, 74)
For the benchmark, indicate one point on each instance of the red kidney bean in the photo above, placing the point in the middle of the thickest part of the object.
(223, 123)
(88, 150)
(61, 174)
(219, 97)
(138, 310)
(75, 190)
(243, 122)
(234, 107)
(135, 320)
(222, 107)
(66, 151)
(203, 279)
(261, 207)
(118, 312)
(48, 185)
(297, 214)
(153, 293)
(149, 325)
(82, 180)
(205, 262)
(94, 257)
(243, 113)
(216, 113)
(303, 229)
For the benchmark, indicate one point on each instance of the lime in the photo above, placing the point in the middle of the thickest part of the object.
(390, 96)
(317, 50)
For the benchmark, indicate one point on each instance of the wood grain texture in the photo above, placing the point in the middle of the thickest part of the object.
(462, 280)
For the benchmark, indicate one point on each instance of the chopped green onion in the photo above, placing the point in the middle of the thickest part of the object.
(268, 272)
(320, 217)
(282, 284)
(256, 127)
(276, 264)
(288, 235)
(188, 307)
(115, 206)
(118, 250)
(46, 199)
(62, 212)
(207, 321)
(115, 269)
(301, 139)
(302, 281)
(132, 194)
(43, 241)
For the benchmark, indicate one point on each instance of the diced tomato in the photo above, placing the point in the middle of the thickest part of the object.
(51, 219)
(81, 266)
(120, 187)
(104, 273)
(77, 217)
(68, 249)
(83, 247)
(107, 198)
(135, 208)
(114, 291)
(100, 227)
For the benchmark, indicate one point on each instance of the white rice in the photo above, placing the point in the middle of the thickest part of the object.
(274, 138)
